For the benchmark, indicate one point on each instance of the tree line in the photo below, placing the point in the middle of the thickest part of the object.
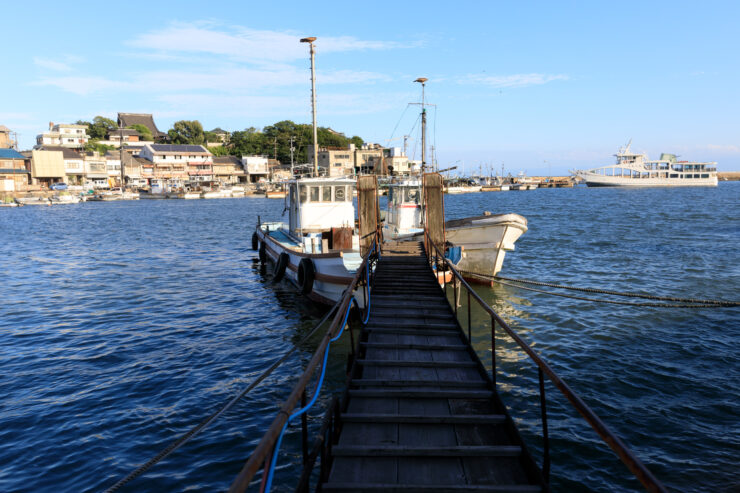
(273, 140)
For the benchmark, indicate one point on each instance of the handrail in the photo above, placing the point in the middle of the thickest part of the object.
(274, 432)
(641, 472)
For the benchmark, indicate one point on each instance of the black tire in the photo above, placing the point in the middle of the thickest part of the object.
(306, 274)
(282, 263)
(263, 253)
(255, 241)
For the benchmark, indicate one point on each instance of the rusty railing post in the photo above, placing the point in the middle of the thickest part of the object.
(304, 429)
(470, 340)
(545, 434)
(493, 351)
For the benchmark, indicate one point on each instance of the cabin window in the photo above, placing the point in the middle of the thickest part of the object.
(674, 175)
(412, 196)
(706, 175)
(326, 194)
(314, 194)
(339, 194)
(303, 195)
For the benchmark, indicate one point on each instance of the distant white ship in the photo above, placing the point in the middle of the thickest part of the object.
(635, 170)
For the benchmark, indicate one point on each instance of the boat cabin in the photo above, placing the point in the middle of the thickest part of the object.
(405, 213)
(322, 207)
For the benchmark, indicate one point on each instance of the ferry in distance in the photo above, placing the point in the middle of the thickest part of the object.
(636, 170)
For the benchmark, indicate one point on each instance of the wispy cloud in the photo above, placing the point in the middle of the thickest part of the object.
(51, 64)
(82, 85)
(725, 148)
(514, 80)
(245, 44)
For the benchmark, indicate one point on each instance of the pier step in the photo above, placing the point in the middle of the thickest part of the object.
(422, 394)
(409, 451)
(421, 488)
(394, 329)
(360, 382)
(455, 419)
(418, 364)
(424, 347)
(381, 315)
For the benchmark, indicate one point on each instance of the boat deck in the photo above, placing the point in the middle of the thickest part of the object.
(422, 414)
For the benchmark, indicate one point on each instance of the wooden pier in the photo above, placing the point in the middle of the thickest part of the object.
(421, 412)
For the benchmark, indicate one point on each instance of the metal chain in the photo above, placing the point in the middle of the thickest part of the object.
(605, 291)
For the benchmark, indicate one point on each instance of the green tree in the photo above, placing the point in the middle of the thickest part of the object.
(187, 132)
(94, 145)
(220, 151)
(146, 134)
(100, 127)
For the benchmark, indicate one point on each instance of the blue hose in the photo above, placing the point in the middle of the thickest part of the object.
(273, 462)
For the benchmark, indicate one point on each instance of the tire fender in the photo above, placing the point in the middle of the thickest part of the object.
(263, 252)
(255, 241)
(282, 263)
(306, 274)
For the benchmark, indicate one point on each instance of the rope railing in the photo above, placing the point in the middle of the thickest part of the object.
(265, 454)
(641, 472)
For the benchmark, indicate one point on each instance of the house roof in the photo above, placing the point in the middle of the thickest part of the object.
(178, 148)
(10, 154)
(146, 119)
(67, 153)
(219, 130)
(227, 160)
(126, 131)
(3, 128)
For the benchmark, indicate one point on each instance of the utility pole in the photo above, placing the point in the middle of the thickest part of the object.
(310, 41)
(123, 175)
(292, 150)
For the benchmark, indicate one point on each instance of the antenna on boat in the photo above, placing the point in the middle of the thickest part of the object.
(422, 81)
(310, 41)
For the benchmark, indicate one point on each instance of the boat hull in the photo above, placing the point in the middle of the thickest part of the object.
(618, 181)
(485, 241)
(331, 273)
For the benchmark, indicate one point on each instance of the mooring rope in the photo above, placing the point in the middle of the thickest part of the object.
(686, 302)
(225, 407)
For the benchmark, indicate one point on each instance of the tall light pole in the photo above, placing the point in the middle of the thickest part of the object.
(310, 41)
(422, 81)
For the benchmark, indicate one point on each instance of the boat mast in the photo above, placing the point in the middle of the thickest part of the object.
(310, 41)
(422, 81)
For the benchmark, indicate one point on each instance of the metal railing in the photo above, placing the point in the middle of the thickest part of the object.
(265, 453)
(642, 473)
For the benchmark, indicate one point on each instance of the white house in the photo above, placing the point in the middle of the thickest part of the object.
(178, 165)
(65, 135)
(256, 168)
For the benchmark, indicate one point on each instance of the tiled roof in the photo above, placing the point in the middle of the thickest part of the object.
(146, 119)
(10, 154)
(227, 160)
(177, 148)
(67, 153)
(219, 130)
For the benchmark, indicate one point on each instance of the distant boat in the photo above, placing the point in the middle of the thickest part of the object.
(636, 170)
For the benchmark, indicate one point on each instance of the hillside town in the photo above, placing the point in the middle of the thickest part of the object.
(138, 156)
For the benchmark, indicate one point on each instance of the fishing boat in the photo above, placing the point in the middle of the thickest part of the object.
(33, 200)
(482, 240)
(636, 170)
(65, 199)
(318, 248)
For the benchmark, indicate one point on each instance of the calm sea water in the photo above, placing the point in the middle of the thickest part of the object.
(124, 324)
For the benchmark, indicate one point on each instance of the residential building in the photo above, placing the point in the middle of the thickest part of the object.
(74, 166)
(96, 170)
(14, 176)
(396, 162)
(336, 161)
(71, 136)
(126, 120)
(369, 160)
(126, 134)
(47, 167)
(177, 165)
(6, 140)
(257, 168)
(132, 167)
(222, 137)
(228, 170)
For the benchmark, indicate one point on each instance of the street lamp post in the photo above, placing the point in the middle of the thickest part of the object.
(310, 41)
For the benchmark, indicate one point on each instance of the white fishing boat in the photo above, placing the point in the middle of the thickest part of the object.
(318, 248)
(191, 195)
(237, 191)
(65, 199)
(33, 201)
(484, 239)
(636, 170)
(216, 194)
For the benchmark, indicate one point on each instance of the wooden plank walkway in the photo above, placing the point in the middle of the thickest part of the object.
(422, 414)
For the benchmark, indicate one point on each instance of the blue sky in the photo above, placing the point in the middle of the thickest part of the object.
(522, 83)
